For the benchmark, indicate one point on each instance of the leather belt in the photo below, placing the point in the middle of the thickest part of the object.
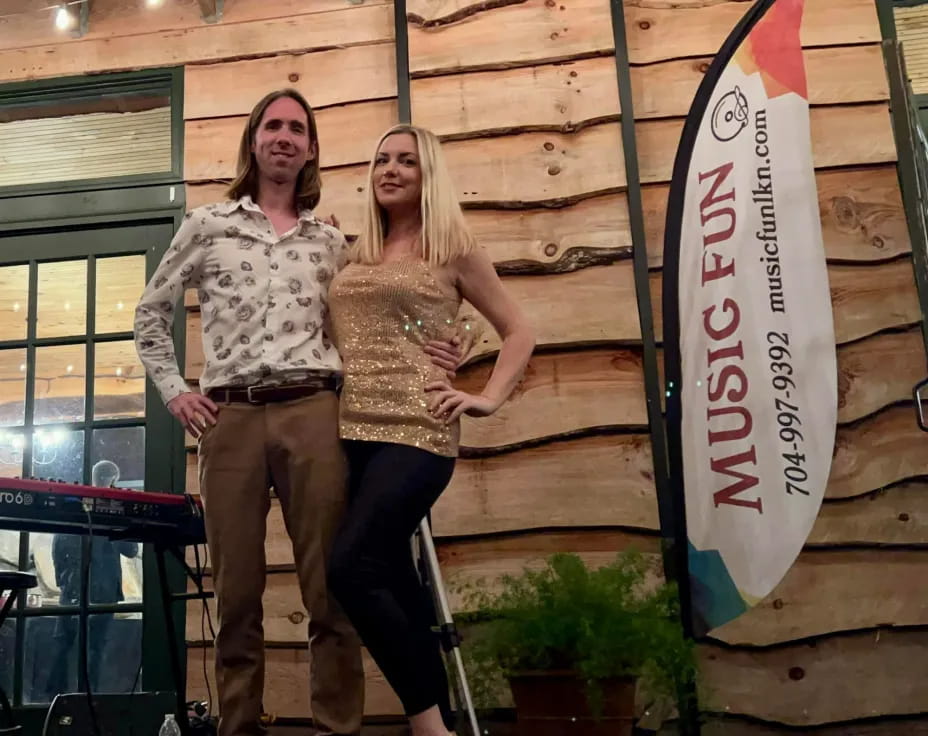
(272, 394)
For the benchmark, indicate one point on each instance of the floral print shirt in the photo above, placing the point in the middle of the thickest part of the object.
(263, 298)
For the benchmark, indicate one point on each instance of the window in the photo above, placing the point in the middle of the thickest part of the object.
(83, 223)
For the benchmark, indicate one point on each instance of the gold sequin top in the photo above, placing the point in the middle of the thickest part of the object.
(382, 316)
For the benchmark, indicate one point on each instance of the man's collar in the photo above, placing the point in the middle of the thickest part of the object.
(247, 203)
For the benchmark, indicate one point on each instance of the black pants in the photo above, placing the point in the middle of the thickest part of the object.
(372, 573)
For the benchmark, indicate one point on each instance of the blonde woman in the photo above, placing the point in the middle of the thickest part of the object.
(413, 264)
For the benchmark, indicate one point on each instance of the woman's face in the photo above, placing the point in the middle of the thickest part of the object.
(397, 176)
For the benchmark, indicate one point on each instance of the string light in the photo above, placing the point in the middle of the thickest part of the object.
(45, 9)
(63, 18)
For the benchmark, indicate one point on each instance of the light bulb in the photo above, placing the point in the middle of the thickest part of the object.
(22, 367)
(67, 306)
(70, 368)
(153, 3)
(119, 371)
(119, 305)
(63, 18)
(16, 307)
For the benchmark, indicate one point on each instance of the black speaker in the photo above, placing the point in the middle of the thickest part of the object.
(136, 714)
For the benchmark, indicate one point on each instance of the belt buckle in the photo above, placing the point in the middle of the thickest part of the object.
(248, 395)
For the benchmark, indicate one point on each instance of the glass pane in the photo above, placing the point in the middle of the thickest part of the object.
(58, 453)
(14, 302)
(50, 662)
(119, 381)
(120, 282)
(115, 652)
(62, 299)
(51, 654)
(109, 562)
(9, 550)
(7, 653)
(66, 140)
(12, 387)
(118, 457)
(11, 453)
(59, 384)
(54, 559)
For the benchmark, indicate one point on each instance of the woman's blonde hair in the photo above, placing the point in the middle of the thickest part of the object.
(445, 235)
(309, 182)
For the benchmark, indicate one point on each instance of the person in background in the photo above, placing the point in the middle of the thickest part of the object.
(104, 586)
(414, 262)
(267, 414)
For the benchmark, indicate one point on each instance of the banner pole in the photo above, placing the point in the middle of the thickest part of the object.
(671, 512)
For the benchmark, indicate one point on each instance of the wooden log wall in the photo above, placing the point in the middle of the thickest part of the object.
(524, 93)
(531, 123)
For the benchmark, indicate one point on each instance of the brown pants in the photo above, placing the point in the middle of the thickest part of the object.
(293, 446)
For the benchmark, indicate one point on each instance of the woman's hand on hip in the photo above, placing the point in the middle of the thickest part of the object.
(448, 404)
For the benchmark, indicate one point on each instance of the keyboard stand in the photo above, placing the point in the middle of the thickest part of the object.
(167, 600)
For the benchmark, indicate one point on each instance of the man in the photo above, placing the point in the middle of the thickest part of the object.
(268, 413)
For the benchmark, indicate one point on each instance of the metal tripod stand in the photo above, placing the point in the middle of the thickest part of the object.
(430, 574)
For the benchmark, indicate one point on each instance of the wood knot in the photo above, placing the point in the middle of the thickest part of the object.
(878, 242)
(796, 673)
(551, 250)
(549, 146)
(903, 516)
(554, 170)
(704, 67)
(573, 73)
(550, 3)
(554, 36)
(845, 211)
(778, 604)
(644, 24)
(293, 77)
(297, 617)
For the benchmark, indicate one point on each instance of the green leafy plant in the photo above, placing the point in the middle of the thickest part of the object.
(616, 620)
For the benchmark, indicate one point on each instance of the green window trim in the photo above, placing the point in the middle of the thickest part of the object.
(127, 200)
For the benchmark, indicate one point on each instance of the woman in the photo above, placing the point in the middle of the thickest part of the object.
(414, 262)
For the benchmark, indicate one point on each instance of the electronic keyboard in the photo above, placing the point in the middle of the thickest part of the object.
(56, 507)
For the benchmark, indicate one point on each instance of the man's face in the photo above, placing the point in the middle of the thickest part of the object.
(282, 144)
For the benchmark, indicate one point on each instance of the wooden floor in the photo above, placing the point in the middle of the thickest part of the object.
(392, 729)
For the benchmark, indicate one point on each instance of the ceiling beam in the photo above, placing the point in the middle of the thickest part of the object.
(211, 10)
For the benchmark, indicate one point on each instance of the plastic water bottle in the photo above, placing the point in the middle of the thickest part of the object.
(169, 727)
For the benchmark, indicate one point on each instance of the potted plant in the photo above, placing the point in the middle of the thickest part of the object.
(575, 644)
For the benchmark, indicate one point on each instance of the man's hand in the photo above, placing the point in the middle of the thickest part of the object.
(446, 355)
(193, 411)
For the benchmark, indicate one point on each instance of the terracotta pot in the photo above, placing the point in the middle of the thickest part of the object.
(554, 703)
